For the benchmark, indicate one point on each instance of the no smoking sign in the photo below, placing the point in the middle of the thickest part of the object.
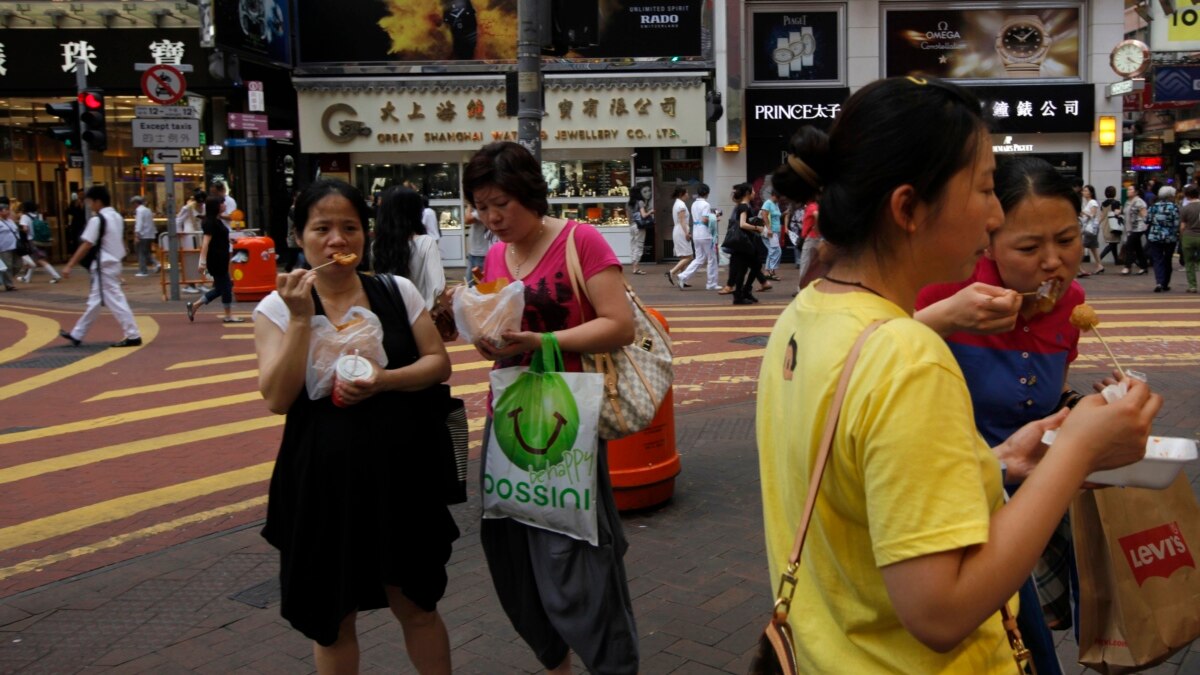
(163, 84)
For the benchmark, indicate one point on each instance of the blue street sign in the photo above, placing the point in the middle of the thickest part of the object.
(245, 142)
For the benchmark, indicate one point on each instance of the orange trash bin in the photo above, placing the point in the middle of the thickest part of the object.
(252, 268)
(643, 466)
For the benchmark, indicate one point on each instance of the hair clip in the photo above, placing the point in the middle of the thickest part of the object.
(917, 80)
(804, 171)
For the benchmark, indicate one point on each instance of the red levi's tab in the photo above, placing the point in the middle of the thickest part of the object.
(1156, 552)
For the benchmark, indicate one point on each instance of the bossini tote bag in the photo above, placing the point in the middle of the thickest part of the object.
(540, 460)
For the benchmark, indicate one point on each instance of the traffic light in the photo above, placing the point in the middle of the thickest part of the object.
(91, 113)
(69, 132)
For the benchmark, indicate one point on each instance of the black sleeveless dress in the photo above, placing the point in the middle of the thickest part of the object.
(353, 502)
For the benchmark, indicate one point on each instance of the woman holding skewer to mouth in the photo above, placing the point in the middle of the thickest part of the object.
(1015, 347)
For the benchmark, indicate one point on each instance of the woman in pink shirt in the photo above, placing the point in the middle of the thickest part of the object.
(561, 594)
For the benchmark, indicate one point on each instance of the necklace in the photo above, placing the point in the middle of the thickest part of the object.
(857, 284)
(512, 249)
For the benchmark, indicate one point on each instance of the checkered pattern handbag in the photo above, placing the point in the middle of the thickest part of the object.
(636, 376)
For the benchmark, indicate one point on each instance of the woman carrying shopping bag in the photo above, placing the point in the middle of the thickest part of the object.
(561, 593)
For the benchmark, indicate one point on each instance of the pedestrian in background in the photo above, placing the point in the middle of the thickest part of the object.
(772, 223)
(354, 510)
(76, 221)
(743, 259)
(641, 221)
(1089, 223)
(145, 232)
(214, 259)
(10, 237)
(429, 219)
(37, 232)
(1189, 235)
(561, 594)
(681, 233)
(1135, 230)
(220, 190)
(1112, 225)
(912, 551)
(703, 241)
(1162, 232)
(403, 248)
(105, 232)
(479, 240)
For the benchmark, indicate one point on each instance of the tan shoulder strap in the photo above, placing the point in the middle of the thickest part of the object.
(831, 421)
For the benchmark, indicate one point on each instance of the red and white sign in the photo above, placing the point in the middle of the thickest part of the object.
(1156, 552)
(163, 84)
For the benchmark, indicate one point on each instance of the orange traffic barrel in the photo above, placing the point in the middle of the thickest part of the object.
(643, 466)
(252, 268)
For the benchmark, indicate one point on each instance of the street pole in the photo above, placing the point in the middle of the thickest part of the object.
(529, 78)
(173, 261)
(80, 85)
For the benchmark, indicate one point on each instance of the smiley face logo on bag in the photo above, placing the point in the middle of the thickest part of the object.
(536, 420)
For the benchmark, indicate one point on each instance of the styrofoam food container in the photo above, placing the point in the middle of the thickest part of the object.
(1157, 470)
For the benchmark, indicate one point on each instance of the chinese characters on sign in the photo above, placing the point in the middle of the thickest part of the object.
(166, 51)
(78, 50)
(1000, 109)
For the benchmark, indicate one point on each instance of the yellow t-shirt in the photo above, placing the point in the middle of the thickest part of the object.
(908, 476)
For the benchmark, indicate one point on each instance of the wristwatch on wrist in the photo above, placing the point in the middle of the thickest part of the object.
(1022, 45)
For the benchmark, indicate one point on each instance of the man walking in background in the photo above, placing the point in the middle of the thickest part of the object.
(703, 238)
(101, 249)
(144, 230)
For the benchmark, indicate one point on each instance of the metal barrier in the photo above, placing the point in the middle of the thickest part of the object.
(189, 254)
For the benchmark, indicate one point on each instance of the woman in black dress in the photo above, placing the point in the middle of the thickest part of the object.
(214, 256)
(355, 507)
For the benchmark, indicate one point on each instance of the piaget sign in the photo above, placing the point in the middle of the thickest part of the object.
(648, 113)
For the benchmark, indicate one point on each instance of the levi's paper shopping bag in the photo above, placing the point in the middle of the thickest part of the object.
(1139, 588)
(540, 459)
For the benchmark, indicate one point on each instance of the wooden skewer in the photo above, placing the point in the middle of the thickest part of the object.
(331, 262)
(1110, 352)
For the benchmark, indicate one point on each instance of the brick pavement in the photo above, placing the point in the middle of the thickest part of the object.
(696, 572)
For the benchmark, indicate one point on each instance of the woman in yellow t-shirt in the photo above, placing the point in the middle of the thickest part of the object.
(912, 551)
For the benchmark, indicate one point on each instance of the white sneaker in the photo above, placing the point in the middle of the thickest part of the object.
(190, 289)
(142, 274)
(55, 280)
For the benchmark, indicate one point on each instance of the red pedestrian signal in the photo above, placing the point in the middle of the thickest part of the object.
(91, 114)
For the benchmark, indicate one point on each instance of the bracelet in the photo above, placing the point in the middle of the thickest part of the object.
(1068, 399)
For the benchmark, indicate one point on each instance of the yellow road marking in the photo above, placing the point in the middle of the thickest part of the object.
(39, 331)
(1141, 301)
(1149, 324)
(1152, 310)
(213, 362)
(764, 317)
(43, 310)
(175, 384)
(48, 527)
(672, 310)
(242, 325)
(36, 564)
(30, 469)
(720, 356)
(1144, 339)
(237, 336)
(146, 325)
(127, 417)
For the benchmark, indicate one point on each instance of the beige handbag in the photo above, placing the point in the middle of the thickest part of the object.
(776, 650)
(636, 376)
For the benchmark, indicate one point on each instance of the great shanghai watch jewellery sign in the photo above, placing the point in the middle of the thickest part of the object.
(795, 46)
(954, 43)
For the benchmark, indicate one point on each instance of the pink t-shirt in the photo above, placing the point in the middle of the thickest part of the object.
(550, 304)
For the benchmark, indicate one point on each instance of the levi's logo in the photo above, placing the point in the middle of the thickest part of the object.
(1156, 552)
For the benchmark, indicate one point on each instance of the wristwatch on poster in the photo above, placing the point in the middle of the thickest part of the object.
(1022, 44)
(795, 51)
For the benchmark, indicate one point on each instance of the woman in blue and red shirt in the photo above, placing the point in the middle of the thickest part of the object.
(1014, 355)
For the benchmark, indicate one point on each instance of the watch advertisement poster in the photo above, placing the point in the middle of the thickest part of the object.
(423, 31)
(955, 43)
(258, 30)
(801, 45)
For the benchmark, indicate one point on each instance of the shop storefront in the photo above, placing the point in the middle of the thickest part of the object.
(1053, 122)
(421, 131)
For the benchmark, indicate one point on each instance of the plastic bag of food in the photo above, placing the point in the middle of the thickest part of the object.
(486, 311)
(360, 330)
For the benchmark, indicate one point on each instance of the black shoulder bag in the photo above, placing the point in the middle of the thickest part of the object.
(455, 483)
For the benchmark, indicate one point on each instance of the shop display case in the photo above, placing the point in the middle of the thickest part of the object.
(435, 180)
(594, 192)
(452, 245)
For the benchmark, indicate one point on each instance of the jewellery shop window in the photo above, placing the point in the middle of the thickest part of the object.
(594, 192)
(433, 180)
